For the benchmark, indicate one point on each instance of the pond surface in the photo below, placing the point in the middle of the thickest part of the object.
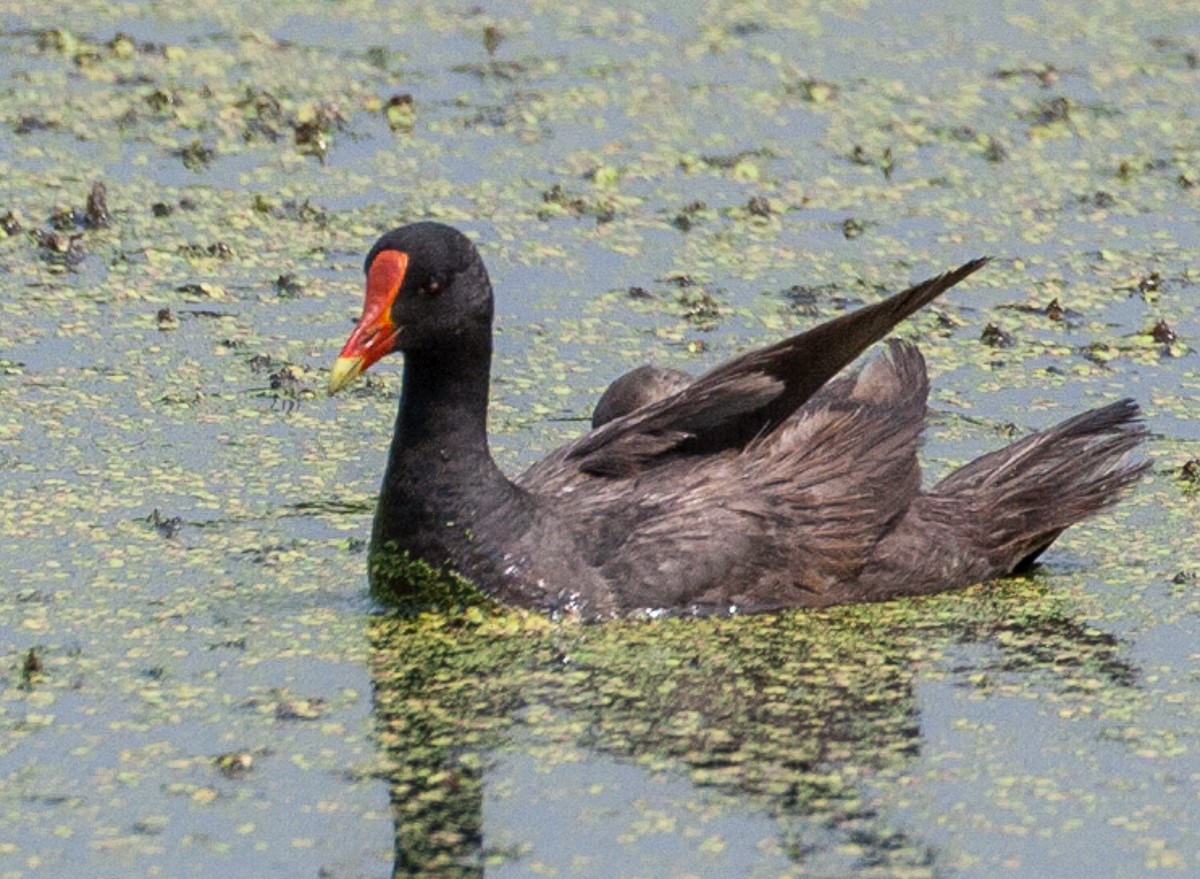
(196, 682)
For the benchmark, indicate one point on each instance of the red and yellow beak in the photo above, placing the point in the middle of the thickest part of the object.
(375, 334)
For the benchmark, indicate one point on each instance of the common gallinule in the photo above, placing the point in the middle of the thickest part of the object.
(767, 482)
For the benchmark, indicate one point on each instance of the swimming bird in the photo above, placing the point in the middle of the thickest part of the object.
(770, 481)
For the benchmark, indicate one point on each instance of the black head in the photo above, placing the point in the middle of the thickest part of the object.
(427, 289)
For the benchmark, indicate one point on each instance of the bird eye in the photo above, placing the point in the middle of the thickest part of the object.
(434, 285)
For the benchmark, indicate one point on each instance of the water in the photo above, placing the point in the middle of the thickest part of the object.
(1032, 728)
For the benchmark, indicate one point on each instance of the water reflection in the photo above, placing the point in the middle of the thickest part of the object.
(782, 715)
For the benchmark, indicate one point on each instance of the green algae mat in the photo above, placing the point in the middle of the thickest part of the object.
(195, 680)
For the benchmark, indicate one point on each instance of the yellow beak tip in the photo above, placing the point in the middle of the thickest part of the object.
(345, 370)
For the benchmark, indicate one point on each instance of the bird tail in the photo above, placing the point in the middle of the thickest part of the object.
(1018, 499)
(997, 514)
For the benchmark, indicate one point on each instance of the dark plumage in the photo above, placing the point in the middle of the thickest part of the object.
(767, 482)
(635, 389)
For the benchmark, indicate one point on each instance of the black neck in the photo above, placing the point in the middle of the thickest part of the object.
(440, 468)
(442, 487)
(443, 406)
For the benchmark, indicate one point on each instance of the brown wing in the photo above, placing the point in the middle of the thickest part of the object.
(789, 519)
(742, 399)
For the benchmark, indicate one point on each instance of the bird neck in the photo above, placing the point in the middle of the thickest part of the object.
(444, 500)
(442, 422)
